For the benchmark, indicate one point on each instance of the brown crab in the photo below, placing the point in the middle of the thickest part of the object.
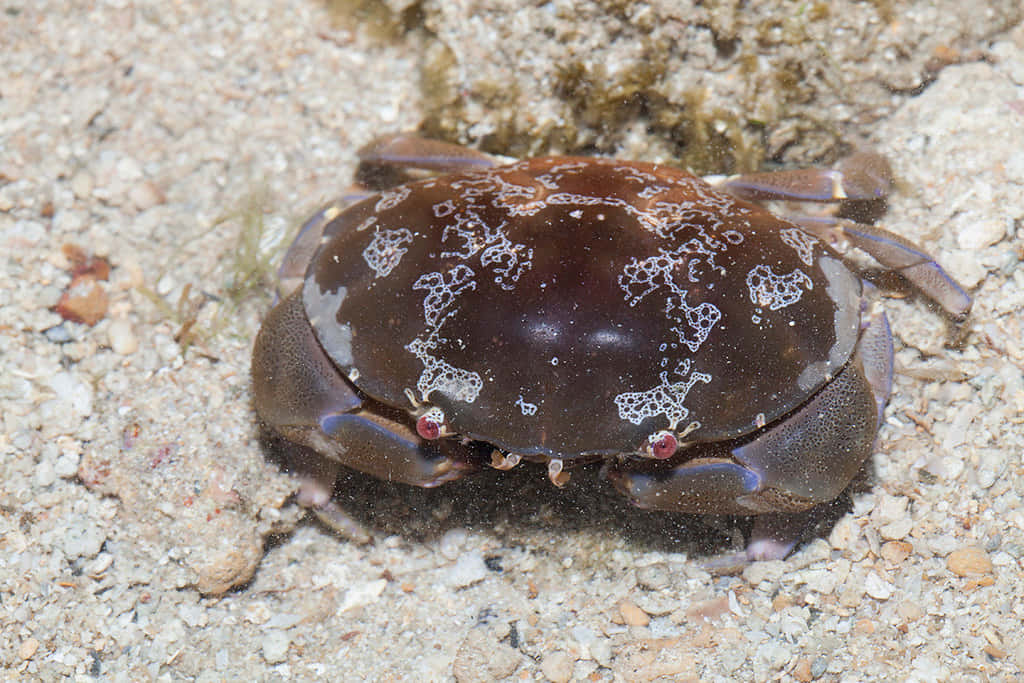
(714, 357)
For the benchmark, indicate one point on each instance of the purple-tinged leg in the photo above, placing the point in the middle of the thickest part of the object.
(317, 475)
(861, 176)
(900, 255)
(775, 535)
(405, 150)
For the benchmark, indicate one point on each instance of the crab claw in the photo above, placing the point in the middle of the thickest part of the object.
(789, 467)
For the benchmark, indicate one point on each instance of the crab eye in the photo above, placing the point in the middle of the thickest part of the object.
(662, 444)
(430, 424)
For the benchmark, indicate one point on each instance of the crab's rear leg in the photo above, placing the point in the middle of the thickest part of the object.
(782, 474)
(861, 176)
(898, 254)
(405, 150)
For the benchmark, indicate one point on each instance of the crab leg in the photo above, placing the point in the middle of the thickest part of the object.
(899, 254)
(410, 151)
(860, 176)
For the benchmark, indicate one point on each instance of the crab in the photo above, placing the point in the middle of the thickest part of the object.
(713, 357)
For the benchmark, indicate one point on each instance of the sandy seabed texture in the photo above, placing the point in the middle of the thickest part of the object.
(145, 536)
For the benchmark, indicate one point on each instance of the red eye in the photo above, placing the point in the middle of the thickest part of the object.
(430, 424)
(663, 445)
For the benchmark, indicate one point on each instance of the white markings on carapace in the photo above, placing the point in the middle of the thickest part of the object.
(443, 290)
(392, 198)
(385, 250)
(322, 309)
(651, 191)
(770, 290)
(445, 208)
(640, 277)
(664, 399)
(525, 406)
(469, 235)
(476, 246)
(442, 376)
(367, 224)
(692, 324)
(801, 242)
(699, 320)
(699, 230)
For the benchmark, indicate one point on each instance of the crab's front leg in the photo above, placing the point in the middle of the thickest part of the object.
(300, 395)
(781, 474)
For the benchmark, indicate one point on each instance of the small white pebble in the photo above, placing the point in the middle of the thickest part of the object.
(275, 647)
(452, 542)
(122, 338)
(981, 233)
(45, 474)
(28, 648)
(74, 394)
(897, 530)
(364, 594)
(758, 572)
(890, 509)
(83, 539)
(877, 588)
(82, 184)
(66, 466)
(146, 195)
(558, 666)
(469, 569)
(165, 285)
(601, 651)
(99, 565)
(128, 169)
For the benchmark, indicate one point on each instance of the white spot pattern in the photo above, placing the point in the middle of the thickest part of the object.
(801, 242)
(385, 250)
(692, 324)
(443, 289)
(664, 399)
(439, 375)
(774, 291)
(392, 198)
(699, 320)
(526, 407)
(445, 208)
(505, 258)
